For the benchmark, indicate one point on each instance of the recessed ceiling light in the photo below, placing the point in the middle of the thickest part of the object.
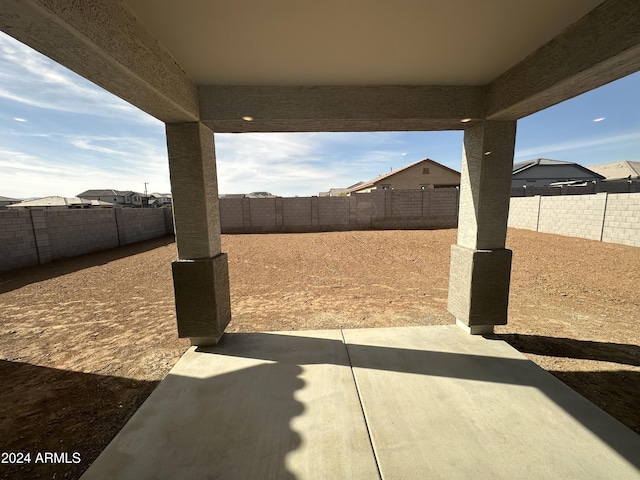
(465, 120)
(598, 119)
(247, 118)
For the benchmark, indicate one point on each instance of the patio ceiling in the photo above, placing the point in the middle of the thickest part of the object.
(336, 65)
(360, 42)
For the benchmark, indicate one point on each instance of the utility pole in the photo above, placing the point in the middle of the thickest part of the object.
(146, 197)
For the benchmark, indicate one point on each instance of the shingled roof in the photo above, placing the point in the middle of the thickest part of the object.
(521, 166)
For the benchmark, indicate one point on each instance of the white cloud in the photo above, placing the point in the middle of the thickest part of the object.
(30, 78)
(580, 144)
(121, 163)
(300, 163)
(18, 119)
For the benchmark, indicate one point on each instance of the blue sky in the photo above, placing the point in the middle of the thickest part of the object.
(61, 135)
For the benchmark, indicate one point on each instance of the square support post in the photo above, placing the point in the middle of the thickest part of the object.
(201, 274)
(480, 265)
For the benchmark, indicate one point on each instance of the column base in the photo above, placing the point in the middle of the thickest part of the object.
(203, 302)
(474, 329)
(479, 286)
(204, 341)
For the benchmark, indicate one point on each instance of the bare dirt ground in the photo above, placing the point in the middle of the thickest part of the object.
(83, 341)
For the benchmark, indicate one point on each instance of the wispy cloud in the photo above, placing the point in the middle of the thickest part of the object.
(87, 162)
(626, 139)
(301, 163)
(32, 79)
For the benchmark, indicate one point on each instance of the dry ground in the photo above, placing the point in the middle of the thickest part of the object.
(83, 341)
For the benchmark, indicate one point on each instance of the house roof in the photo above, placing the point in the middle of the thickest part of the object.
(97, 193)
(8, 199)
(107, 193)
(362, 185)
(522, 166)
(56, 201)
(618, 170)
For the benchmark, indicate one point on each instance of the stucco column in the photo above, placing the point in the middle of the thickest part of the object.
(480, 265)
(201, 274)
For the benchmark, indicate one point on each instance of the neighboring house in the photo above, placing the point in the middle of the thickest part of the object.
(419, 175)
(340, 192)
(260, 195)
(158, 200)
(5, 201)
(61, 203)
(613, 171)
(542, 172)
(123, 198)
(231, 195)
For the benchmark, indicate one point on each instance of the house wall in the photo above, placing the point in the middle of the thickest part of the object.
(413, 178)
(541, 175)
(36, 236)
(380, 209)
(609, 217)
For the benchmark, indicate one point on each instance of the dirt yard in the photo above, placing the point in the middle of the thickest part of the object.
(85, 340)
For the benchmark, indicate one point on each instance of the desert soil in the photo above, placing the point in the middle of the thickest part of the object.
(85, 340)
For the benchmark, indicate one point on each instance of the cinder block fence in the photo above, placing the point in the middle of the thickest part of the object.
(383, 209)
(32, 237)
(607, 217)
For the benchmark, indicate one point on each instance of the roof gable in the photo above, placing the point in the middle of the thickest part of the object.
(522, 166)
(371, 183)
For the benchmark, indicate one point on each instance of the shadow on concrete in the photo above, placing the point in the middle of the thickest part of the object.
(571, 348)
(49, 410)
(512, 371)
(234, 425)
(17, 278)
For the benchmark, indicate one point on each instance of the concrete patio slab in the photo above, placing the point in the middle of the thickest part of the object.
(263, 406)
(434, 403)
(443, 404)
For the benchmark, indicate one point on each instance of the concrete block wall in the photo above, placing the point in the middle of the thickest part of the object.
(380, 209)
(262, 212)
(296, 212)
(523, 213)
(405, 203)
(138, 224)
(573, 215)
(32, 237)
(17, 240)
(622, 220)
(368, 207)
(231, 212)
(168, 220)
(607, 217)
(333, 211)
(75, 232)
(441, 207)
